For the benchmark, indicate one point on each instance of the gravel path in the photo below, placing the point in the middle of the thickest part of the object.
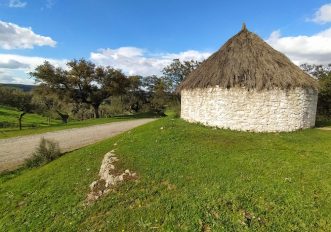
(324, 128)
(13, 151)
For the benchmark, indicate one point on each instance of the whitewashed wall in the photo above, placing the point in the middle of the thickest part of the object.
(260, 111)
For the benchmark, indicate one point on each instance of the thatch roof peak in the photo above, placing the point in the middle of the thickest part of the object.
(246, 60)
(243, 27)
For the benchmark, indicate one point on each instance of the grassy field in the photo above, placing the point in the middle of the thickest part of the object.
(36, 124)
(191, 178)
(9, 118)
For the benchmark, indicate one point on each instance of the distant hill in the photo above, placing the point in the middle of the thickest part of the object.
(25, 88)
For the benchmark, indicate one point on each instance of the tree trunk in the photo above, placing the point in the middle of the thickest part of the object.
(20, 120)
(64, 117)
(96, 111)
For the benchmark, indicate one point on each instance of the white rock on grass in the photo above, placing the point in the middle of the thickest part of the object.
(107, 178)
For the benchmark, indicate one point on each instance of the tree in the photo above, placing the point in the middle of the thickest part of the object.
(24, 104)
(6, 95)
(325, 95)
(323, 74)
(136, 96)
(83, 82)
(177, 71)
(50, 103)
(317, 71)
(17, 98)
(158, 89)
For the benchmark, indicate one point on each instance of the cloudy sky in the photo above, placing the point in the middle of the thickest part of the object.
(142, 36)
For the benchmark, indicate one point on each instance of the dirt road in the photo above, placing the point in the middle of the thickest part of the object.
(13, 151)
(324, 128)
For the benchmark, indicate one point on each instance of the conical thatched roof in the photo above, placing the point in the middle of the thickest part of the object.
(246, 60)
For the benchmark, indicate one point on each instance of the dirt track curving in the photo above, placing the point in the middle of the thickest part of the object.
(13, 151)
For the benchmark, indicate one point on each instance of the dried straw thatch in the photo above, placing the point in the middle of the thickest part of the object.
(247, 61)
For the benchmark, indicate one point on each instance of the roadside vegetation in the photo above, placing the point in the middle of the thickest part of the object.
(46, 152)
(36, 124)
(190, 178)
(323, 74)
(73, 97)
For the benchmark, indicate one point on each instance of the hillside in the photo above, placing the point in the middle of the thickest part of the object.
(9, 119)
(190, 178)
(25, 88)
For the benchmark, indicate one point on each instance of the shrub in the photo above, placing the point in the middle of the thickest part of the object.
(46, 152)
(176, 109)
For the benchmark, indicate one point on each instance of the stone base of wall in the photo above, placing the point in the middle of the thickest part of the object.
(260, 111)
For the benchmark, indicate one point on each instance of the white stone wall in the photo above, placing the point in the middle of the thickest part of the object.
(259, 111)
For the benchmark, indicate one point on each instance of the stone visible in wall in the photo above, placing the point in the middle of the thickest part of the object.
(260, 111)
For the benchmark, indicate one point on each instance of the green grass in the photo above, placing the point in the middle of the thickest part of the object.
(36, 124)
(9, 118)
(191, 178)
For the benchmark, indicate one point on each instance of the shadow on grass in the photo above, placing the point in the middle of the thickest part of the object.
(10, 174)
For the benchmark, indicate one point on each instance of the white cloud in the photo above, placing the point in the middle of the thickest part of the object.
(15, 68)
(29, 62)
(17, 4)
(13, 36)
(5, 77)
(11, 77)
(50, 3)
(133, 60)
(12, 64)
(323, 14)
(314, 49)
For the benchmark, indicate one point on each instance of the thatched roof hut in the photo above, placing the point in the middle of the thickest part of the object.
(241, 73)
(246, 60)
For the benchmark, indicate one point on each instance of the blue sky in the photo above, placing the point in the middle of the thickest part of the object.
(142, 36)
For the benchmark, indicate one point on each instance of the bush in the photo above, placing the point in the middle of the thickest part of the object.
(176, 109)
(46, 152)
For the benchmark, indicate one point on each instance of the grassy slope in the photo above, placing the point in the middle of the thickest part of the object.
(10, 115)
(190, 177)
(35, 124)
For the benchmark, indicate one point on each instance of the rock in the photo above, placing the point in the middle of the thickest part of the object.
(106, 178)
(93, 184)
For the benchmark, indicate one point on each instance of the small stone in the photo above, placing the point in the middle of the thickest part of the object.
(93, 184)
(115, 158)
(127, 171)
